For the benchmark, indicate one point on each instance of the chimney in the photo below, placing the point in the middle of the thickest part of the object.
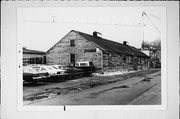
(24, 48)
(125, 42)
(97, 34)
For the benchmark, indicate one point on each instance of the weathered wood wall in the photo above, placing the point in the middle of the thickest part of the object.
(60, 53)
(85, 50)
(122, 62)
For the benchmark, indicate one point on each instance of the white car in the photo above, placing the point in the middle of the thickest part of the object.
(60, 66)
(50, 69)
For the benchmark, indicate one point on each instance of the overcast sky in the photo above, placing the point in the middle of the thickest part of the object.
(37, 30)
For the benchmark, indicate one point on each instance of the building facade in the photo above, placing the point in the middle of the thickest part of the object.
(33, 57)
(105, 54)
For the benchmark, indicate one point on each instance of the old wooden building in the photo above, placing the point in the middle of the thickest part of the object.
(105, 54)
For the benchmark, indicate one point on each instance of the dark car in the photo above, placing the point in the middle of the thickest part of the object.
(71, 71)
(33, 76)
(87, 67)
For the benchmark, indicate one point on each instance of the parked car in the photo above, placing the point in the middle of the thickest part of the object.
(87, 67)
(33, 76)
(71, 71)
(53, 72)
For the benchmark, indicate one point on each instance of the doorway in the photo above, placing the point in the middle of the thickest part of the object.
(72, 59)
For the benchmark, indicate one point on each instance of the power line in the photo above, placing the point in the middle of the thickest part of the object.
(151, 21)
(87, 23)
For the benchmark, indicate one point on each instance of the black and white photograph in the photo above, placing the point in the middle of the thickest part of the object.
(91, 55)
(89, 59)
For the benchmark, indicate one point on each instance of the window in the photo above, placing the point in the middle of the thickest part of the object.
(124, 58)
(28, 69)
(72, 43)
(83, 64)
(50, 67)
(36, 68)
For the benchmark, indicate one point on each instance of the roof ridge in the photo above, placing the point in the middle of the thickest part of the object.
(33, 50)
(97, 37)
(108, 45)
(113, 46)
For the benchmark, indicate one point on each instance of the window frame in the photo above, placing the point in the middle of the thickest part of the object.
(72, 43)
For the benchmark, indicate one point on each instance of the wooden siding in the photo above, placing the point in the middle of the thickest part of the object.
(122, 62)
(60, 53)
(85, 50)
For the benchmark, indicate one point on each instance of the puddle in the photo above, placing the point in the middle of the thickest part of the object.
(123, 86)
(94, 95)
(36, 97)
(118, 87)
(146, 80)
(52, 92)
(82, 84)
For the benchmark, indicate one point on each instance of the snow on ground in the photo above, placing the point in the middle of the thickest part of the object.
(112, 73)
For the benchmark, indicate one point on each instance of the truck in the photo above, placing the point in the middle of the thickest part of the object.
(87, 67)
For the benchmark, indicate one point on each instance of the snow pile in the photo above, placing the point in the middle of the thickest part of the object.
(112, 73)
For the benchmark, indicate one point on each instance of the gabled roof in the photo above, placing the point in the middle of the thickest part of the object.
(28, 51)
(111, 46)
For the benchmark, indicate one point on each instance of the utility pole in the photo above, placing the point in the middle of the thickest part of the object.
(156, 61)
(143, 13)
(53, 18)
(147, 16)
(152, 23)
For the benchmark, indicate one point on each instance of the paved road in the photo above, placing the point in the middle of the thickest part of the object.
(137, 88)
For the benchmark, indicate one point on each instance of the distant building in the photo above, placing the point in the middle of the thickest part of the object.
(147, 52)
(155, 58)
(105, 54)
(153, 50)
(33, 57)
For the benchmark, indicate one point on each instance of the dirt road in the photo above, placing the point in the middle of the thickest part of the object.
(98, 90)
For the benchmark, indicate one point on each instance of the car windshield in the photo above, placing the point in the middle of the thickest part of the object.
(50, 67)
(36, 68)
(28, 69)
(60, 67)
(55, 67)
(83, 64)
(63, 67)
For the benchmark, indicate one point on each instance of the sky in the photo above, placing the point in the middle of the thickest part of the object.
(39, 28)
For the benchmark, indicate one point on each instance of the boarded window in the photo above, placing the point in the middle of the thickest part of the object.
(89, 50)
(72, 43)
(124, 58)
